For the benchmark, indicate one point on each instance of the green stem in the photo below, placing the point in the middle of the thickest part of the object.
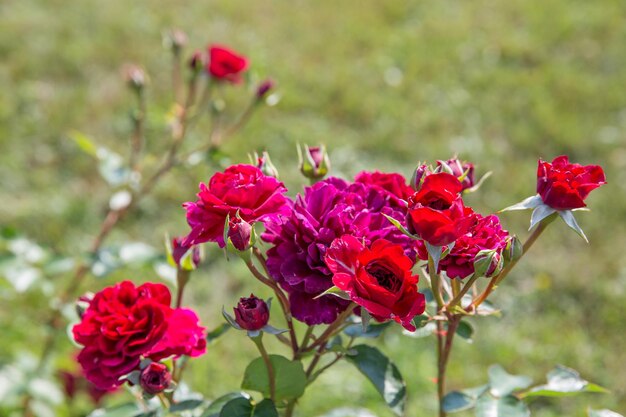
(458, 297)
(182, 278)
(434, 282)
(505, 271)
(331, 329)
(258, 341)
(444, 349)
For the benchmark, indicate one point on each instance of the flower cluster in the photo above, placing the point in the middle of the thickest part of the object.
(327, 210)
(125, 324)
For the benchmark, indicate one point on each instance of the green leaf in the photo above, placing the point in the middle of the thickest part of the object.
(603, 413)
(570, 220)
(186, 405)
(334, 290)
(465, 331)
(290, 379)
(214, 334)
(400, 227)
(435, 253)
(479, 183)
(502, 383)
(540, 212)
(457, 401)
(84, 143)
(529, 203)
(382, 373)
(213, 410)
(509, 406)
(242, 407)
(563, 381)
(373, 330)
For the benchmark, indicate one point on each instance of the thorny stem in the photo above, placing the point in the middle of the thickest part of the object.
(331, 329)
(258, 341)
(468, 285)
(282, 298)
(444, 347)
(505, 271)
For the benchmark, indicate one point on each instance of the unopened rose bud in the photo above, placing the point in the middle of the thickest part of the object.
(264, 163)
(464, 170)
(418, 176)
(487, 263)
(513, 250)
(175, 39)
(134, 76)
(264, 88)
(251, 313)
(197, 62)
(155, 378)
(240, 233)
(314, 162)
(186, 257)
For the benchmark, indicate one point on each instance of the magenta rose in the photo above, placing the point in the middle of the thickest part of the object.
(377, 278)
(565, 186)
(391, 183)
(437, 213)
(240, 189)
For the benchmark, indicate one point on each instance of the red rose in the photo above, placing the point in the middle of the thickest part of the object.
(121, 323)
(225, 64)
(124, 324)
(241, 189)
(378, 279)
(565, 186)
(155, 378)
(437, 213)
(251, 313)
(392, 183)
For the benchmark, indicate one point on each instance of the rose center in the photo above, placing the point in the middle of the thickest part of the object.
(439, 205)
(385, 278)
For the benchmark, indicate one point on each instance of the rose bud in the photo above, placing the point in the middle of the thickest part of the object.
(264, 88)
(175, 39)
(418, 176)
(565, 186)
(314, 164)
(225, 64)
(264, 163)
(251, 313)
(155, 378)
(458, 169)
(134, 76)
(196, 62)
(240, 233)
(186, 257)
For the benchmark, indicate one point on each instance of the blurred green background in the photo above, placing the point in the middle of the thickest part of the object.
(384, 85)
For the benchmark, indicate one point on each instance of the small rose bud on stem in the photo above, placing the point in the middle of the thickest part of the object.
(314, 162)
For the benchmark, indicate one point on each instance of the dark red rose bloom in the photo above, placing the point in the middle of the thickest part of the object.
(378, 279)
(225, 64)
(459, 168)
(565, 186)
(123, 324)
(242, 190)
(251, 313)
(155, 378)
(437, 213)
(486, 233)
(393, 184)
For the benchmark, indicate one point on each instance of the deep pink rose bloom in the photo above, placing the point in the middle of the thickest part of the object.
(377, 278)
(124, 324)
(565, 186)
(486, 233)
(251, 313)
(225, 64)
(393, 184)
(437, 213)
(155, 378)
(241, 189)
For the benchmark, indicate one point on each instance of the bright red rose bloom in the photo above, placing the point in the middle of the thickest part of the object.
(378, 279)
(565, 186)
(393, 184)
(241, 189)
(437, 213)
(225, 64)
(124, 324)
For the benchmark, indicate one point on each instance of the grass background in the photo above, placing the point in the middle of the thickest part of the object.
(383, 85)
